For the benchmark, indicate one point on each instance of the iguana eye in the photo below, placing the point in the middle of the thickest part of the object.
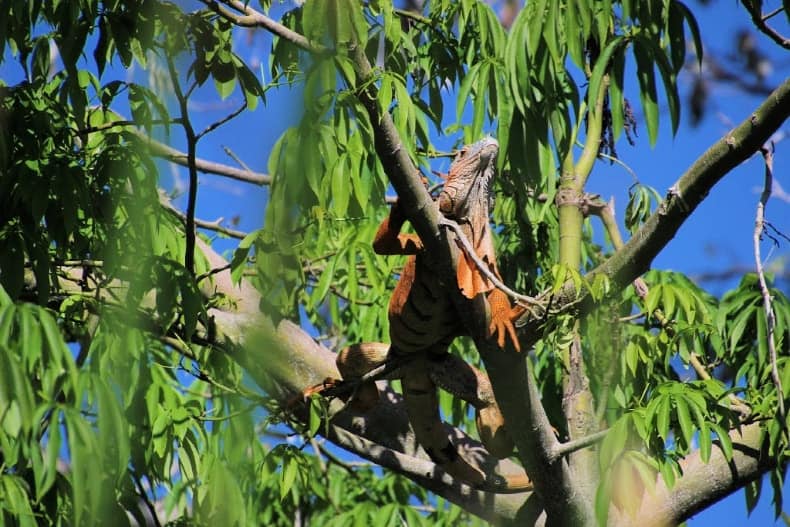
(461, 153)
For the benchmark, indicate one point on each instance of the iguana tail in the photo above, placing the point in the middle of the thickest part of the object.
(422, 404)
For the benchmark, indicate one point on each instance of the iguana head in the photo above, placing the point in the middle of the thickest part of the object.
(468, 190)
(466, 198)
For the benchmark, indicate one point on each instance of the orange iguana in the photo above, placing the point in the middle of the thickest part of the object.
(424, 321)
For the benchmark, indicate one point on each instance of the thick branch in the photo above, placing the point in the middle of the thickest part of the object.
(685, 195)
(534, 439)
(705, 483)
(286, 359)
(693, 186)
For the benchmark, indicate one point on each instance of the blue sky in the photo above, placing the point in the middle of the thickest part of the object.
(719, 236)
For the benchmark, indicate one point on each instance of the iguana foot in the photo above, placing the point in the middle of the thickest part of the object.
(502, 317)
(476, 478)
(304, 395)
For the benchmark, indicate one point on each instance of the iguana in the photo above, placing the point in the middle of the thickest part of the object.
(424, 321)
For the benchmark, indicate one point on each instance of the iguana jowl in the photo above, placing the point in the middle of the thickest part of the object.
(424, 321)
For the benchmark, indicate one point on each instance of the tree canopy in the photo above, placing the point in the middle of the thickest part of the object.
(151, 363)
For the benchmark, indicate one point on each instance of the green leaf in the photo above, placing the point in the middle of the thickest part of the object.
(614, 443)
(41, 60)
(684, 419)
(316, 415)
(113, 442)
(668, 301)
(536, 24)
(341, 187)
(739, 325)
(288, 475)
(667, 470)
(662, 417)
(603, 499)
(653, 298)
(724, 440)
(52, 451)
(677, 37)
(704, 443)
(225, 88)
(668, 76)
(549, 31)
(13, 489)
(603, 18)
(692, 22)
(481, 86)
(404, 111)
(222, 503)
(249, 83)
(465, 90)
(324, 282)
(647, 88)
(752, 494)
(572, 34)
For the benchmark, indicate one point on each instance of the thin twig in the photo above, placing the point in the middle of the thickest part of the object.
(770, 318)
(124, 123)
(773, 13)
(234, 157)
(405, 13)
(189, 258)
(203, 224)
(759, 22)
(143, 495)
(379, 372)
(569, 447)
(318, 450)
(253, 18)
(216, 124)
(616, 160)
(212, 272)
(162, 150)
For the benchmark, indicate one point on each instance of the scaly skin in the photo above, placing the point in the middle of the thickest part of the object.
(424, 321)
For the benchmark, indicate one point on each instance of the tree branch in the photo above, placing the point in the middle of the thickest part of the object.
(216, 124)
(253, 18)
(568, 447)
(704, 483)
(285, 359)
(203, 224)
(684, 196)
(189, 256)
(760, 23)
(178, 157)
(770, 318)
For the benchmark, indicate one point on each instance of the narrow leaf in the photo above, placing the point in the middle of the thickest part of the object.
(647, 88)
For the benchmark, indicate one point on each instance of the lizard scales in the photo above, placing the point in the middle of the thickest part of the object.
(424, 321)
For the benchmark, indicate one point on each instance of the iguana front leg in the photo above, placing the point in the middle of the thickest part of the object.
(389, 239)
(503, 315)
